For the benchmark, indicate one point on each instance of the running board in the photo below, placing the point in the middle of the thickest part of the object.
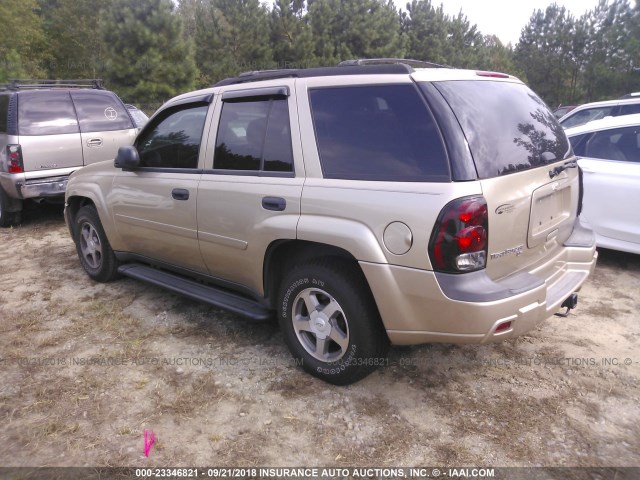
(198, 291)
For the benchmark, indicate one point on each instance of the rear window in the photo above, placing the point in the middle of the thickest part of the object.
(508, 127)
(382, 132)
(100, 112)
(46, 113)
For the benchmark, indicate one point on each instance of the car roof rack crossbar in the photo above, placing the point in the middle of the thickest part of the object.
(391, 61)
(380, 69)
(25, 84)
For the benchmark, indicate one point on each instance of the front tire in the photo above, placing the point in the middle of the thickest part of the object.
(96, 256)
(330, 322)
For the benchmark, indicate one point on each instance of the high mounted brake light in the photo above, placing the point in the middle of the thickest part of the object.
(492, 74)
(460, 236)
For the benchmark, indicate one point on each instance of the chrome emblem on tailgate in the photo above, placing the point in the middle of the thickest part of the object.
(506, 208)
(519, 250)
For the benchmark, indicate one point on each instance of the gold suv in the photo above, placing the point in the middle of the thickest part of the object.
(365, 204)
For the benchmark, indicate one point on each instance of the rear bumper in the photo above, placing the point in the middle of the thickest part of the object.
(417, 307)
(19, 187)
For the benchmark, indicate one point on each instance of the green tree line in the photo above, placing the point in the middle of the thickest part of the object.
(150, 50)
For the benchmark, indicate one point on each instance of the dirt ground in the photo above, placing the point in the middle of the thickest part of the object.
(86, 368)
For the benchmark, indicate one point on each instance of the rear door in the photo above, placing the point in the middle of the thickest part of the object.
(105, 124)
(48, 131)
(517, 144)
(251, 196)
(612, 182)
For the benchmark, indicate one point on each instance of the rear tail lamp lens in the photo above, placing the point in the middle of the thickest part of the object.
(14, 159)
(460, 236)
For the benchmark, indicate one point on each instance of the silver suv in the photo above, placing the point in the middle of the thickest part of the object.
(48, 130)
(363, 205)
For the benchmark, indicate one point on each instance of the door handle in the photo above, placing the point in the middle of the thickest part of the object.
(180, 194)
(94, 142)
(277, 204)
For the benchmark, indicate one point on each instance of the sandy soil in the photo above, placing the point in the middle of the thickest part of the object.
(85, 368)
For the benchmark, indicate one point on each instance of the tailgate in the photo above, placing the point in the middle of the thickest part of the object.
(530, 217)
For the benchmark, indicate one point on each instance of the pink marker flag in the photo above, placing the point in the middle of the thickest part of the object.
(149, 440)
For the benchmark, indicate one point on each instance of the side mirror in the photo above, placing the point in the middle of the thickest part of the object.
(127, 158)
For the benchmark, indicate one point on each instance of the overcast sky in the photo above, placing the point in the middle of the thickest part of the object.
(505, 18)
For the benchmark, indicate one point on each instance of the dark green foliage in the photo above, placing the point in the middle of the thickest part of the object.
(291, 38)
(346, 29)
(22, 52)
(568, 60)
(148, 59)
(148, 50)
(231, 36)
(75, 48)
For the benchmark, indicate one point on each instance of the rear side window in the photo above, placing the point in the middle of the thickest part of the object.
(254, 134)
(173, 140)
(100, 112)
(621, 144)
(382, 132)
(4, 113)
(509, 129)
(587, 115)
(630, 109)
(46, 113)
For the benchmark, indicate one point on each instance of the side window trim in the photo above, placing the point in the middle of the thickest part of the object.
(161, 116)
(248, 173)
(267, 94)
(252, 93)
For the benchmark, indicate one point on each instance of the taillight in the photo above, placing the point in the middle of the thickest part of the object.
(14, 159)
(460, 236)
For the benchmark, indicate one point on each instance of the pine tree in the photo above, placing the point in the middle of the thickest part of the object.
(355, 29)
(232, 36)
(291, 38)
(544, 53)
(70, 28)
(149, 61)
(22, 45)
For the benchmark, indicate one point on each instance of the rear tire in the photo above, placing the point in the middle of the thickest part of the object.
(96, 256)
(330, 322)
(7, 219)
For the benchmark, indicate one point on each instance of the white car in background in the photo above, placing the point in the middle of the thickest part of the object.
(596, 110)
(609, 156)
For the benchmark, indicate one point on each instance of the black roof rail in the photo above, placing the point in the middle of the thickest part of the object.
(380, 69)
(391, 61)
(26, 84)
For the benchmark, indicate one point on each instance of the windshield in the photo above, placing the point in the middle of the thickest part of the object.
(508, 127)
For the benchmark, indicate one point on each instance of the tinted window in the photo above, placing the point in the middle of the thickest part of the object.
(139, 117)
(100, 112)
(629, 109)
(173, 140)
(46, 113)
(507, 126)
(621, 144)
(4, 112)
(254, 135)
(585, 116)
(380, 132)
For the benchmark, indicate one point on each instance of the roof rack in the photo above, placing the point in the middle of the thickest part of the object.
(363, 66)
(25, 84)
(381, 69)
(391, 61)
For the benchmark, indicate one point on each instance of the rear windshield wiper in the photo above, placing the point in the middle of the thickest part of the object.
(558, 170)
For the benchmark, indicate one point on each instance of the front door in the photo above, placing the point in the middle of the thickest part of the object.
(155, 205)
